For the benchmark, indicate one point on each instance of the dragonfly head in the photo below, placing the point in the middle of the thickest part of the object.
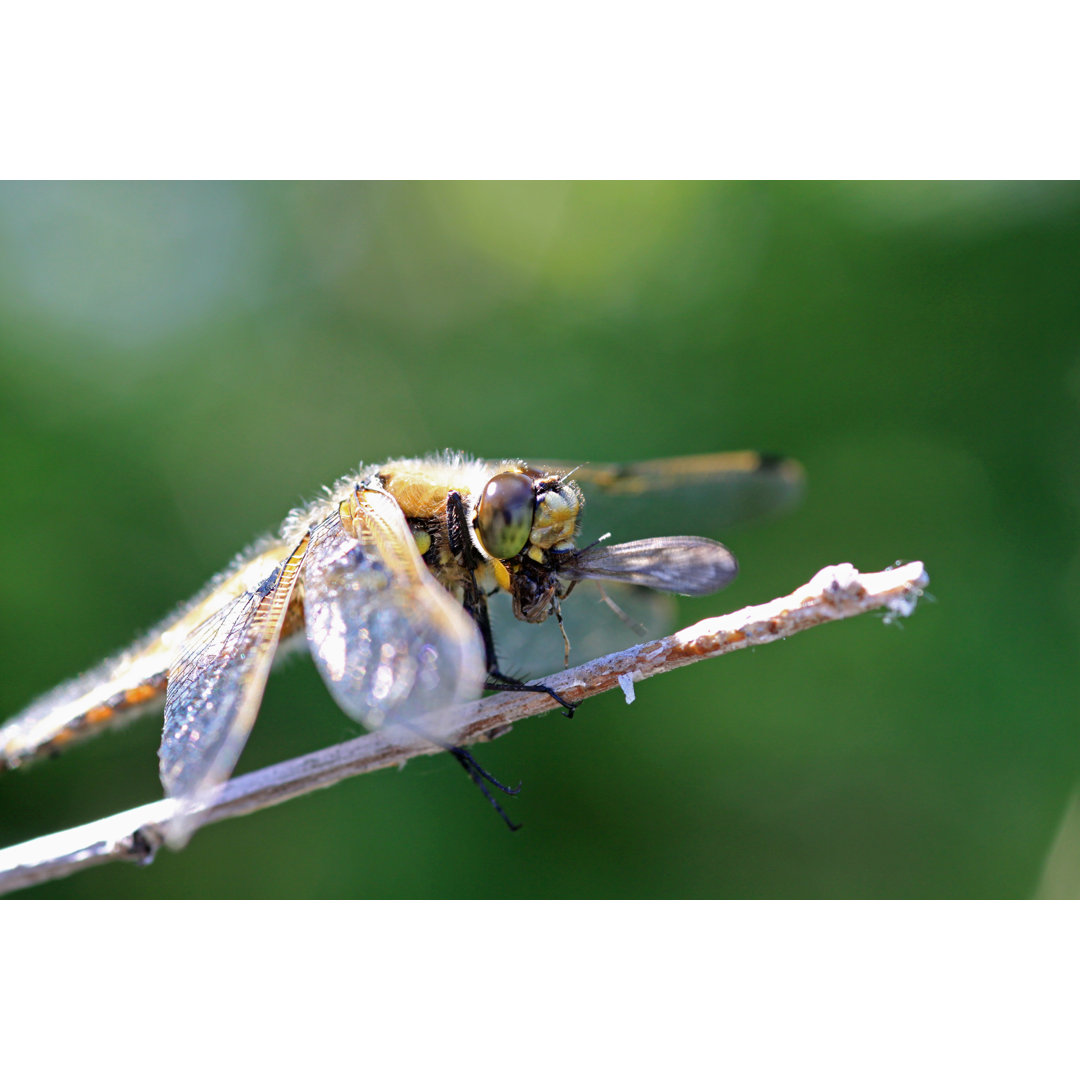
(522, 518)
(526, 512)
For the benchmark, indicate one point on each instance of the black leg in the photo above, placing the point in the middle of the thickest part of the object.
(479, 775)
(474, 601)
(496, 680)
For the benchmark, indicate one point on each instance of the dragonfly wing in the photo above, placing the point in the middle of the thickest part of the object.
(596, 620)
(389, 641)
(215, 689)
(703, 493)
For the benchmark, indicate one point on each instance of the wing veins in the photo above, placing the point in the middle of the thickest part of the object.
(215, 689)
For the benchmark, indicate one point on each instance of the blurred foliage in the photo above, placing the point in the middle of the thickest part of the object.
(182, 363)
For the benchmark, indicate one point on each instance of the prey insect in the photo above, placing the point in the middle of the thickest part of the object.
(390, 579)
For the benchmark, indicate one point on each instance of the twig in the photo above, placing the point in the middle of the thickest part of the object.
(837, 592)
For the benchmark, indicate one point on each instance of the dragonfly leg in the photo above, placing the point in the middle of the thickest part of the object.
(481, 778)
(473, 600)
(477, 773)
(496, 680)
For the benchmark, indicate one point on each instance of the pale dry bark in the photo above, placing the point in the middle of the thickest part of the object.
(837, 592)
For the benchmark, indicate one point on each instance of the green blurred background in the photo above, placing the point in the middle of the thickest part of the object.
(182, 363)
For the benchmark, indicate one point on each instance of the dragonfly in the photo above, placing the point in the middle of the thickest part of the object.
(400, 580)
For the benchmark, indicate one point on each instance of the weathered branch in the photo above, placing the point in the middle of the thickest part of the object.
(837, 592)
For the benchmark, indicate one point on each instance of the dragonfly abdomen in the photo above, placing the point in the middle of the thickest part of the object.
(60, 718)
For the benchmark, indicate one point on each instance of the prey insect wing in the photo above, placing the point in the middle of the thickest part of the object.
(689, 565)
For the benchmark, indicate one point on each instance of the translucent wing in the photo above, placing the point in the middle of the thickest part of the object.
(597, 621)
(689, 565)
(215, 689)
(389, 641)
(704, 493)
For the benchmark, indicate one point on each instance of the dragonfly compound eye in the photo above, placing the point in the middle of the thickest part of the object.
(504, 516)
